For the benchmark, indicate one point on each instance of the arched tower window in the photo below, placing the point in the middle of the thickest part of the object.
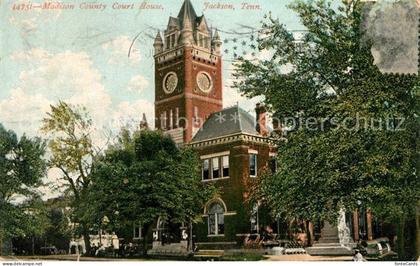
(216, 221)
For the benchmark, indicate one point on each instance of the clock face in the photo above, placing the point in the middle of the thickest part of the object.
(204, 82)
(170, 82)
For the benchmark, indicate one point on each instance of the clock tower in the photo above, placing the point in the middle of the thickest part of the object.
(188, 74)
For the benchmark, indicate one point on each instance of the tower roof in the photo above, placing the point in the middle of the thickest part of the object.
(216, 35)
(143, 123)
(158, 38)
(187, 12)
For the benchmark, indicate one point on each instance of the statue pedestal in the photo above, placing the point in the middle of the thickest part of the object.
(156, 244)
(184, 244)
(329, 243)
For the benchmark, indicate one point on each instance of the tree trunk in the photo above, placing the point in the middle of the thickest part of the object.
(308, 233)
(33, 246)
(191, 237)
(401, 238)
(86, 238)
(145, 238)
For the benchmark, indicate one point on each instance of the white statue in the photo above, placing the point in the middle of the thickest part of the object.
(343, 229)
(155, 236)
(184, 234)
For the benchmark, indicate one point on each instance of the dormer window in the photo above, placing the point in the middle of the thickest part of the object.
(170, 41)
(203, 40)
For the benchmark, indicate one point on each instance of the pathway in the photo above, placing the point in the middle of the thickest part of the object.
(306, 257)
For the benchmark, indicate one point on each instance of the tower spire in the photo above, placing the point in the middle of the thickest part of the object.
(187, 18)
(143, 123)
(158, 43)
(187, 14)
(217, 42)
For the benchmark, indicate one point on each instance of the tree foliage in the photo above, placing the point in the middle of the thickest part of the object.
(351, 130)
(144, 177)
(22, 168)
(70, 132)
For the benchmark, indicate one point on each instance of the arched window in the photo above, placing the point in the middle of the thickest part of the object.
(216, 219)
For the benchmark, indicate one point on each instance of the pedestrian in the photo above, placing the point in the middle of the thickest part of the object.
(358, 256)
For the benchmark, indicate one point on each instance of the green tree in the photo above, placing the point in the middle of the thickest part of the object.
(352, 131)
(144, 177)
(70, 130)
(57, 232)
(22, 168)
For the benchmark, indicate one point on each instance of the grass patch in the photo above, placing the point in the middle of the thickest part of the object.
(242, 257)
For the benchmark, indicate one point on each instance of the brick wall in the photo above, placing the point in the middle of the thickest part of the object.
(234, 191)
(187, 96)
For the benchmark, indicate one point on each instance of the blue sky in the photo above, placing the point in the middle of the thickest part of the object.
(80, 56)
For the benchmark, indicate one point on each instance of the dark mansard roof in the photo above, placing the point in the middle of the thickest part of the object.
(229, 121)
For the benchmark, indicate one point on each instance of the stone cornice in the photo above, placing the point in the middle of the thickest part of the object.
(189, 96)
(241, 137)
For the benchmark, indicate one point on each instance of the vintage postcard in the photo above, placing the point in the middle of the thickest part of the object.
(203, 130)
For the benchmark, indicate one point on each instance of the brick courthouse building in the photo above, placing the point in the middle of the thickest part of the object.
(188, 106)
(234, 146)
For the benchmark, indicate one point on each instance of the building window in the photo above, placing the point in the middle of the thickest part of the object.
(196, 119)
(206, 169)
(137, 231)
(273, 164)
(195, 112)
(171, 119)
(168, 42)
(225, 165)
(177, 117)
(163, 120)
(215, 168)
(206, 42)
(203, 40)
(216, 219)
(200, 40)
(253, 165)
(254, 219)
(173, 40)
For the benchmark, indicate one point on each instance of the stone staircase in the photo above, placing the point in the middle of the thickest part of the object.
(329, 243)
(209, 253)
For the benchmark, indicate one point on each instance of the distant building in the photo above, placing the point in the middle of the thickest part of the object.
(6, 248)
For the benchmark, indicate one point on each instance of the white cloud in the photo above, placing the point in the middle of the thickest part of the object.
(65, 76)
(22, 112)
(72, 77)
(138, 84)
(231, 96)
(48, 77)
(120, 53)
(130, 114)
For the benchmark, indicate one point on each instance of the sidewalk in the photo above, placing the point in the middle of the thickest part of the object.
(306, 257)
(66, 258)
